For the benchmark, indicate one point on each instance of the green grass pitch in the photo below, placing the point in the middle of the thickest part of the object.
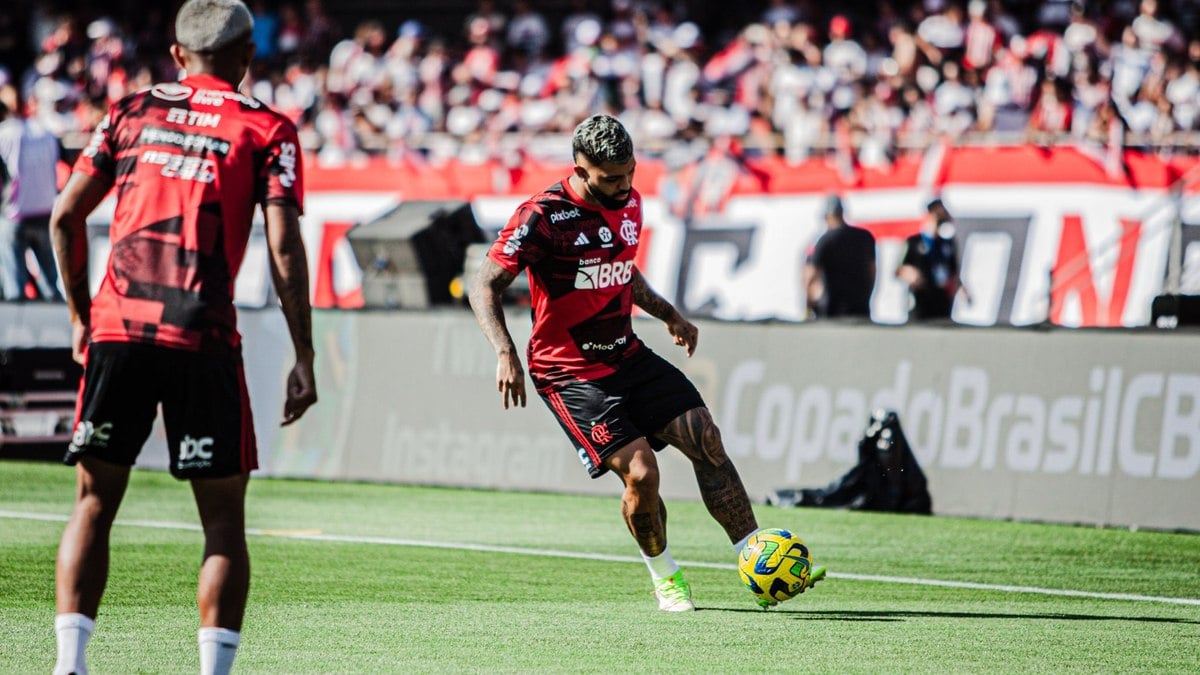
(362, 578)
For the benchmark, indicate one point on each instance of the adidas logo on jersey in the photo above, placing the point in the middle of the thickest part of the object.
(582, 240)
(595, 277)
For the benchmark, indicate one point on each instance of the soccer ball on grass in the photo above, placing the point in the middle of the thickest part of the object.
(775, 565)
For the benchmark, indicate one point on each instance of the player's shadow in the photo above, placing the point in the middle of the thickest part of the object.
(901, 615)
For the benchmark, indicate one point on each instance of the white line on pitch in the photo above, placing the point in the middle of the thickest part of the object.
(582, 555)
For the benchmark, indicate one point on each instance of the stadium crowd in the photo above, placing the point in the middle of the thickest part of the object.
(796, 78)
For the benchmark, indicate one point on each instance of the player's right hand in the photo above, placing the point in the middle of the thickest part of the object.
(301, 392)
(510, 380)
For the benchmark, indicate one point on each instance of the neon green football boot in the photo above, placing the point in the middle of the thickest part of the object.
(817, 574)
(674, 594)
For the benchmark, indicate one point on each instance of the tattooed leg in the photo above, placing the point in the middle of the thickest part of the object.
(644, 511)
(697, 436)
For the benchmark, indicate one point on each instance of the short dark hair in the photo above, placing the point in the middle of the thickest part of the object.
(833, 206)
(602, 140)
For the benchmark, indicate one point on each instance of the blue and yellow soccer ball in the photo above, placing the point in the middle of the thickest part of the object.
(774, 564)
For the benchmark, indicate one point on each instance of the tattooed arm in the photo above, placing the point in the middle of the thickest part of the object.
(289, 271)
(486, 290)
(684, 331)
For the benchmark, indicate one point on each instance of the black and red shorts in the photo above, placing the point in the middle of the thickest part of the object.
(639, 400)
(205, 405)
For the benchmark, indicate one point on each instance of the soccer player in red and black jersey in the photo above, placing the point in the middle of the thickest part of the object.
(190, 160)
(616, 400)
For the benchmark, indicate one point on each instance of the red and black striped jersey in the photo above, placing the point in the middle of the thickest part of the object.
(580, 261)
(190, 160)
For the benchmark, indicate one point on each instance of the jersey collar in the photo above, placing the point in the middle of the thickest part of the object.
(206, 81)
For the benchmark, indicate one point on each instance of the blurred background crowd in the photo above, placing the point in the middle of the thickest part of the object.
(422, 81)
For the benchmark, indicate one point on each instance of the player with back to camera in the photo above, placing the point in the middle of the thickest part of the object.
(189, 160)
(616, 400)
(839, 275)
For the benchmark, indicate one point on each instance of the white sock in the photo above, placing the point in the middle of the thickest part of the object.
(737, 548)
(73, 632)
(662, 565)
(218, 646)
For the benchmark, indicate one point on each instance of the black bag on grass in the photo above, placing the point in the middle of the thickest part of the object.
(886, 478)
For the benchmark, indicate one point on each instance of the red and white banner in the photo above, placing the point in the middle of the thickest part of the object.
(1045, 235)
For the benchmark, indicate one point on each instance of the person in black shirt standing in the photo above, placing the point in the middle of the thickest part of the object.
(930, 266)
(839, 275)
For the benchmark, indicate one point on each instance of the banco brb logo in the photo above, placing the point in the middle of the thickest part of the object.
(605, 275)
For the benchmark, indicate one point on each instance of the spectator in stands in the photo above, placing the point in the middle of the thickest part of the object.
(527, 30)
(639, 55)
(28, 186)
(780, 11)
(581, 11)
(839, 273)
(105, 62)
(482, 60)
(1004, 21)
(321, 32)
(1081, 35)
(1152, 31)
(1051, 116)
(981, 39)
(953, 101)
(904, 50)
(487, 11)
(843, 56)
(940, 36)
(682, 75)
(266, 28)
(358, 63)
(1183, 92)
(290, 34)
(929, 266)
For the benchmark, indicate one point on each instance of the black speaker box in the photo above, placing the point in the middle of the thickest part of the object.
(40, 369)
(1172, 311)
(410, 254)
(38, 387)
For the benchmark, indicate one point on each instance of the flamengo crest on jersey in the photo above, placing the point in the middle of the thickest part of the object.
(580, 262)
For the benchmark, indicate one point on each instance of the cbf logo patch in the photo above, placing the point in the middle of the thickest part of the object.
(629, 232)
(514, 240)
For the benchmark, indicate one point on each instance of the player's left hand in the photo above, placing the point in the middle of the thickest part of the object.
(301, 391)
(685, 333)
(80, 334)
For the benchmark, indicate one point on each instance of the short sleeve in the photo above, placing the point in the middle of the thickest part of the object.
(818, 253)
(282, 177)
(99, 157)
(912, 254)
(523, 241)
